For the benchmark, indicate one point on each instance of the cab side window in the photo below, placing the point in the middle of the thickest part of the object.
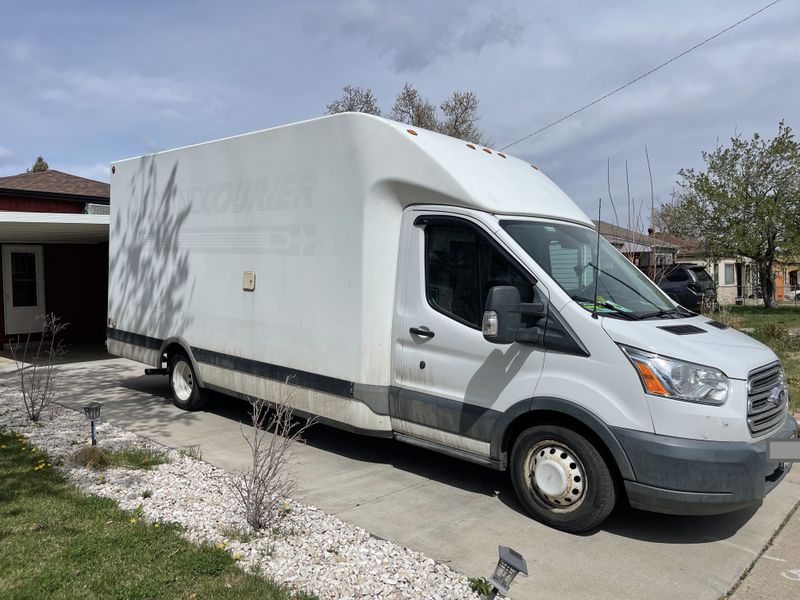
(461, 266)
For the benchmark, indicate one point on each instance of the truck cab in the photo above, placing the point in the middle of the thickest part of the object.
(518, 344)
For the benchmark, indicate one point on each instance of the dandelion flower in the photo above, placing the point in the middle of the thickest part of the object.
(237, 556)
(133, 519)
(156, 525)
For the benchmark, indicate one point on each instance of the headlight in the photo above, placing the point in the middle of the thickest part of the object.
(670, 378)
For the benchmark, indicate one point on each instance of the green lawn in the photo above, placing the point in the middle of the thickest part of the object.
(56, 542)
(769, 327)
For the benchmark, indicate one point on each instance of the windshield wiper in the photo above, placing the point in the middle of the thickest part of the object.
(609, 306)
(633, 289)
(670, 312)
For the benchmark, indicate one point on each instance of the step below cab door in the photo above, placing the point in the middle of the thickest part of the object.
(454, 384)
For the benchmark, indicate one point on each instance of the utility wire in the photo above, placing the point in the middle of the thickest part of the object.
(642, 76)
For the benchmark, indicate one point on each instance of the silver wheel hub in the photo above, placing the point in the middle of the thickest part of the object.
(556, 475)
(182, 381)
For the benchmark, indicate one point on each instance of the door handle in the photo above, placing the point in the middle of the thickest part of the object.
(427, 333)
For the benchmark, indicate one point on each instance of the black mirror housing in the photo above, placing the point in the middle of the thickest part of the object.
(501, 318)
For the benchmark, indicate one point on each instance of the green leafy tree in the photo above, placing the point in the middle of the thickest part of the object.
(39, 166)
(745, 203)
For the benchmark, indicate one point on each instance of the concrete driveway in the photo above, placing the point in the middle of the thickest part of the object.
(453, 511)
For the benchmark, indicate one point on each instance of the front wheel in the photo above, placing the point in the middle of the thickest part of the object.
(186, 392)
(561, 479)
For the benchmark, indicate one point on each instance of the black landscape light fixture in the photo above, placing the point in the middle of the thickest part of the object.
(92, 411)
(508, 566)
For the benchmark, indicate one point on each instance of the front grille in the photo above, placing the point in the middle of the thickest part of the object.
(764, 413)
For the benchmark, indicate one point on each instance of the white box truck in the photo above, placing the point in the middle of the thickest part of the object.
(410, 285)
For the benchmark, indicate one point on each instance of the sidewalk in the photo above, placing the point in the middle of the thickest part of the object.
(776, 573)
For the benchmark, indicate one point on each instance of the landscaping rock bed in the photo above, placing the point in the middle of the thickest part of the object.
(312, 551)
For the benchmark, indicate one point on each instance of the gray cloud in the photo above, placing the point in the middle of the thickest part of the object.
(414, 35)
(83, 94)
(500, 28)
(6, 157)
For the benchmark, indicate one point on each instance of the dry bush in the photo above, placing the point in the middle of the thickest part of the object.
(92, 457)
(36, 364)
(722, 314)
(262, 488)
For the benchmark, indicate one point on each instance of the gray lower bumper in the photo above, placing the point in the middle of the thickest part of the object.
(694, 477)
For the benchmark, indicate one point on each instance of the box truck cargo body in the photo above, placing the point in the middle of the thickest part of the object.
(397, 282)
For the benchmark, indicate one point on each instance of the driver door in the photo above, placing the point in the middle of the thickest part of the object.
(454, 384)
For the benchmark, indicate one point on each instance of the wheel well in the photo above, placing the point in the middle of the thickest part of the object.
(550, 417)
(170, 351)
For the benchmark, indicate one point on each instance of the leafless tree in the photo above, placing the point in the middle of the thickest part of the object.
(355, 99)
(460, 111)
(461, 117)
(264, 486)
(411, 108)
(36, 361)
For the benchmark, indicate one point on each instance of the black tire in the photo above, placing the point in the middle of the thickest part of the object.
(581, 488)
(186, 392)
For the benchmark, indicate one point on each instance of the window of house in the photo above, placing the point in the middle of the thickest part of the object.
(730, 274)
(461, 266)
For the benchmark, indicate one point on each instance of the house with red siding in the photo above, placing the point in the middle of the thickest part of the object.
(54, 253)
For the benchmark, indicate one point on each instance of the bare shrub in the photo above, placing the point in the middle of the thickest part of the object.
(263, 487)
(36, 361)
(721, 313)
(92, 457)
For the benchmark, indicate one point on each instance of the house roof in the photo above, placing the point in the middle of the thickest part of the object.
(637, 241)
(56, 183)
(687, 246)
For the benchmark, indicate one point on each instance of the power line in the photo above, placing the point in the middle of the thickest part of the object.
(642, 76)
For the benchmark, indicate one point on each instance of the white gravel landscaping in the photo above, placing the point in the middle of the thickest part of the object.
(314, 551)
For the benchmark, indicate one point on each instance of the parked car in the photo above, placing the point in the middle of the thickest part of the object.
(689, 285)
(400, 283)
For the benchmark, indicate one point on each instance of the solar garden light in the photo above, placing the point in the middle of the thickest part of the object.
(92, 411)
(508, 565)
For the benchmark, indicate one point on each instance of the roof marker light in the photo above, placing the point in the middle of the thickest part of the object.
(535, 167)
(113, 169)
(470, 146)
(487, 151)
(501, 155)
(411, 131)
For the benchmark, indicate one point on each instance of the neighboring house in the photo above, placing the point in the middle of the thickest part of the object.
(736, 277)
(54, 246)
(642, 249)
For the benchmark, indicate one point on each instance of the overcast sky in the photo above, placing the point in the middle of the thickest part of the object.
(85, 83)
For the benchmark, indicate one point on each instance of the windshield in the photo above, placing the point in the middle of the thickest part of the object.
(569, 255)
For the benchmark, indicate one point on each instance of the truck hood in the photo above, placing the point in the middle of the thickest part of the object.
(731, 351)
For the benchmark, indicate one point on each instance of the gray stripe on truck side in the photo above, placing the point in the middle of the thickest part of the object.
(314, 381)
(451, 416)
(467, 420)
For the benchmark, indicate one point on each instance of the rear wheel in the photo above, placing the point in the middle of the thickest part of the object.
(561, 479)
(186, 392)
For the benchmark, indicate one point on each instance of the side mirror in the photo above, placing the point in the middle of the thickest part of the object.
(501, 318)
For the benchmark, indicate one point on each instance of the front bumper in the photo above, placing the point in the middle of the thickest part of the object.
(696, 477)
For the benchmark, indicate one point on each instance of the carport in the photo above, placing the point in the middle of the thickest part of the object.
(54, 254)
